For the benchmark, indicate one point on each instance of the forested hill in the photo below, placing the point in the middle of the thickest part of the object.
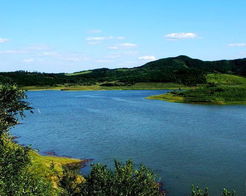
(181, 69)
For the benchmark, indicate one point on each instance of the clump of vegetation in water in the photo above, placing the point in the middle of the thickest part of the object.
(196, 191)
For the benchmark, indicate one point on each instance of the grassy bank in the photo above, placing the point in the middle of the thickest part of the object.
(221, 89)
(52, 167)
(137, 86)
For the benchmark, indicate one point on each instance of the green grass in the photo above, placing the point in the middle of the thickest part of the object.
(226, 79)
(41, 165)
(223, 89)
(78, 73)
(214, 95)
(167, 97)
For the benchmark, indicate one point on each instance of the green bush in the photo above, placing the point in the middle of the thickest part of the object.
(124, 180)
(15, 177)
(196, 191)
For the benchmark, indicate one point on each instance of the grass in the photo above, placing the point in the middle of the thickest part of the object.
(137, 86)
(221, 89)
(51, 167)
(167, 97)
(226, 79)
(78, 73)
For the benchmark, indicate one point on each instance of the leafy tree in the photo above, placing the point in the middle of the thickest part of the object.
(124, 180)
(15, 177)
(11, 106)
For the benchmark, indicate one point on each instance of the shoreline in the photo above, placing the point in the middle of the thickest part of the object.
(169, 97)
(97, 87)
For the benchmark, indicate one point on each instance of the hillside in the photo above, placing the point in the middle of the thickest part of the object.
(181, 69)
(221, 89)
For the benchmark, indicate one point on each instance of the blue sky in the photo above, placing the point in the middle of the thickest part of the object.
(68, 36)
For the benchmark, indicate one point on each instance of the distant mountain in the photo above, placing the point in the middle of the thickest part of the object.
(181, 69)
(237, 66)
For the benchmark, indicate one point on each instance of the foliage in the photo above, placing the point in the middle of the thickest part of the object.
(181, 69)
(226, 79)
(190, 77)
(11, 106)
(15, 178)
(124, 180)
(220, 89)
(196, 191)
(71, 182)
(215, 94)
(228, 193)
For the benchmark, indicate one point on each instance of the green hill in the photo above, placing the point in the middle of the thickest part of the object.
(221, 89)
(181, 69)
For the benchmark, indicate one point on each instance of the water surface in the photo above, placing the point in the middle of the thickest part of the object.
(184, 144)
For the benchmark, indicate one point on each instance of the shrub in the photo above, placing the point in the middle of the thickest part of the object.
(196, 191)
(124, 180)
(15, 177)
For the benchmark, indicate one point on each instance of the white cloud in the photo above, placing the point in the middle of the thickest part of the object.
(99, 38)
(122, 46)
(237, 45)
(147, 58)
(128, 45)
(30, 60)
(178, 36)
(3, 40)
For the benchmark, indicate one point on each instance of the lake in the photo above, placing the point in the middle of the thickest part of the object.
(184, 144)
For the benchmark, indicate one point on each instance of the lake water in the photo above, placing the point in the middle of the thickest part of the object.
(184, 144)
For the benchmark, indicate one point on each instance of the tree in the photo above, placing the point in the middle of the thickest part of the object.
(124, 180)
(15, 176)
(12, 105)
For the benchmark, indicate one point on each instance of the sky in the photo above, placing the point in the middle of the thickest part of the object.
(68, 36)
